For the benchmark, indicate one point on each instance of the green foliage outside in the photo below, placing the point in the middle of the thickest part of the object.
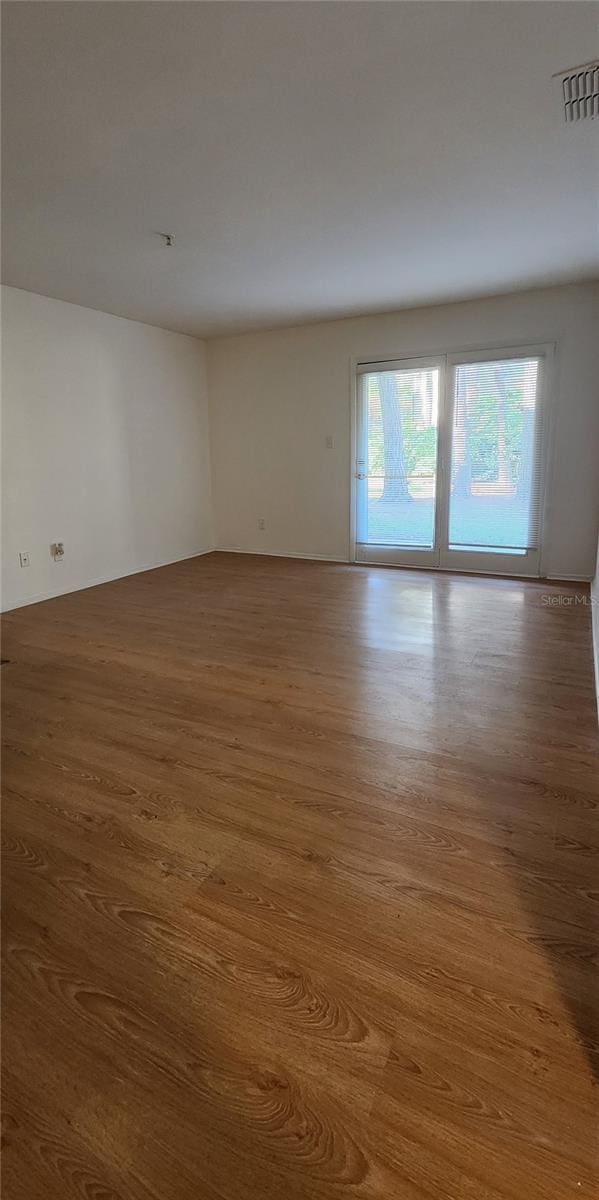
(481, 435)
(420, 444)
(420, 448)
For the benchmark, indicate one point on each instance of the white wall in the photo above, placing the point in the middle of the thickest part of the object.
(105, 446)
(595, 623)
(275, 396)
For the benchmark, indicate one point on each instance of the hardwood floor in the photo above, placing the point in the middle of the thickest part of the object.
(301, 888)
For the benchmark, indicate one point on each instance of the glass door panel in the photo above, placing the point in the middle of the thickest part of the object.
(397, 434)
(494, 503)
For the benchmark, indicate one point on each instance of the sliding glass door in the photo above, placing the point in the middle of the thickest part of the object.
(450, 461)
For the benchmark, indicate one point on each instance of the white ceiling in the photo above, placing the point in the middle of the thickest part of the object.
(312, 159)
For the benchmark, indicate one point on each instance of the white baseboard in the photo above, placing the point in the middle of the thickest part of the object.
(261, 553)
(566, 578)
(331, 558)
(82, 587)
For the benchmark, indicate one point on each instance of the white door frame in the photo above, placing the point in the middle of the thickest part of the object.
(441, 557)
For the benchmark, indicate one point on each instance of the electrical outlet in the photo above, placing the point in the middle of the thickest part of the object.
(328, 441)
(261, 523)
(57, 551)
(24, 559)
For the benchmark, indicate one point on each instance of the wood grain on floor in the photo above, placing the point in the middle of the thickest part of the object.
(301, 888)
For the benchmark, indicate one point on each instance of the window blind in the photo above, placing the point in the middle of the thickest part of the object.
(496, 456)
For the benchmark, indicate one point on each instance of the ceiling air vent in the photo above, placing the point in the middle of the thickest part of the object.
(579, 92)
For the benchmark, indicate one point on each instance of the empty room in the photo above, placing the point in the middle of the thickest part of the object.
(300, 600)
